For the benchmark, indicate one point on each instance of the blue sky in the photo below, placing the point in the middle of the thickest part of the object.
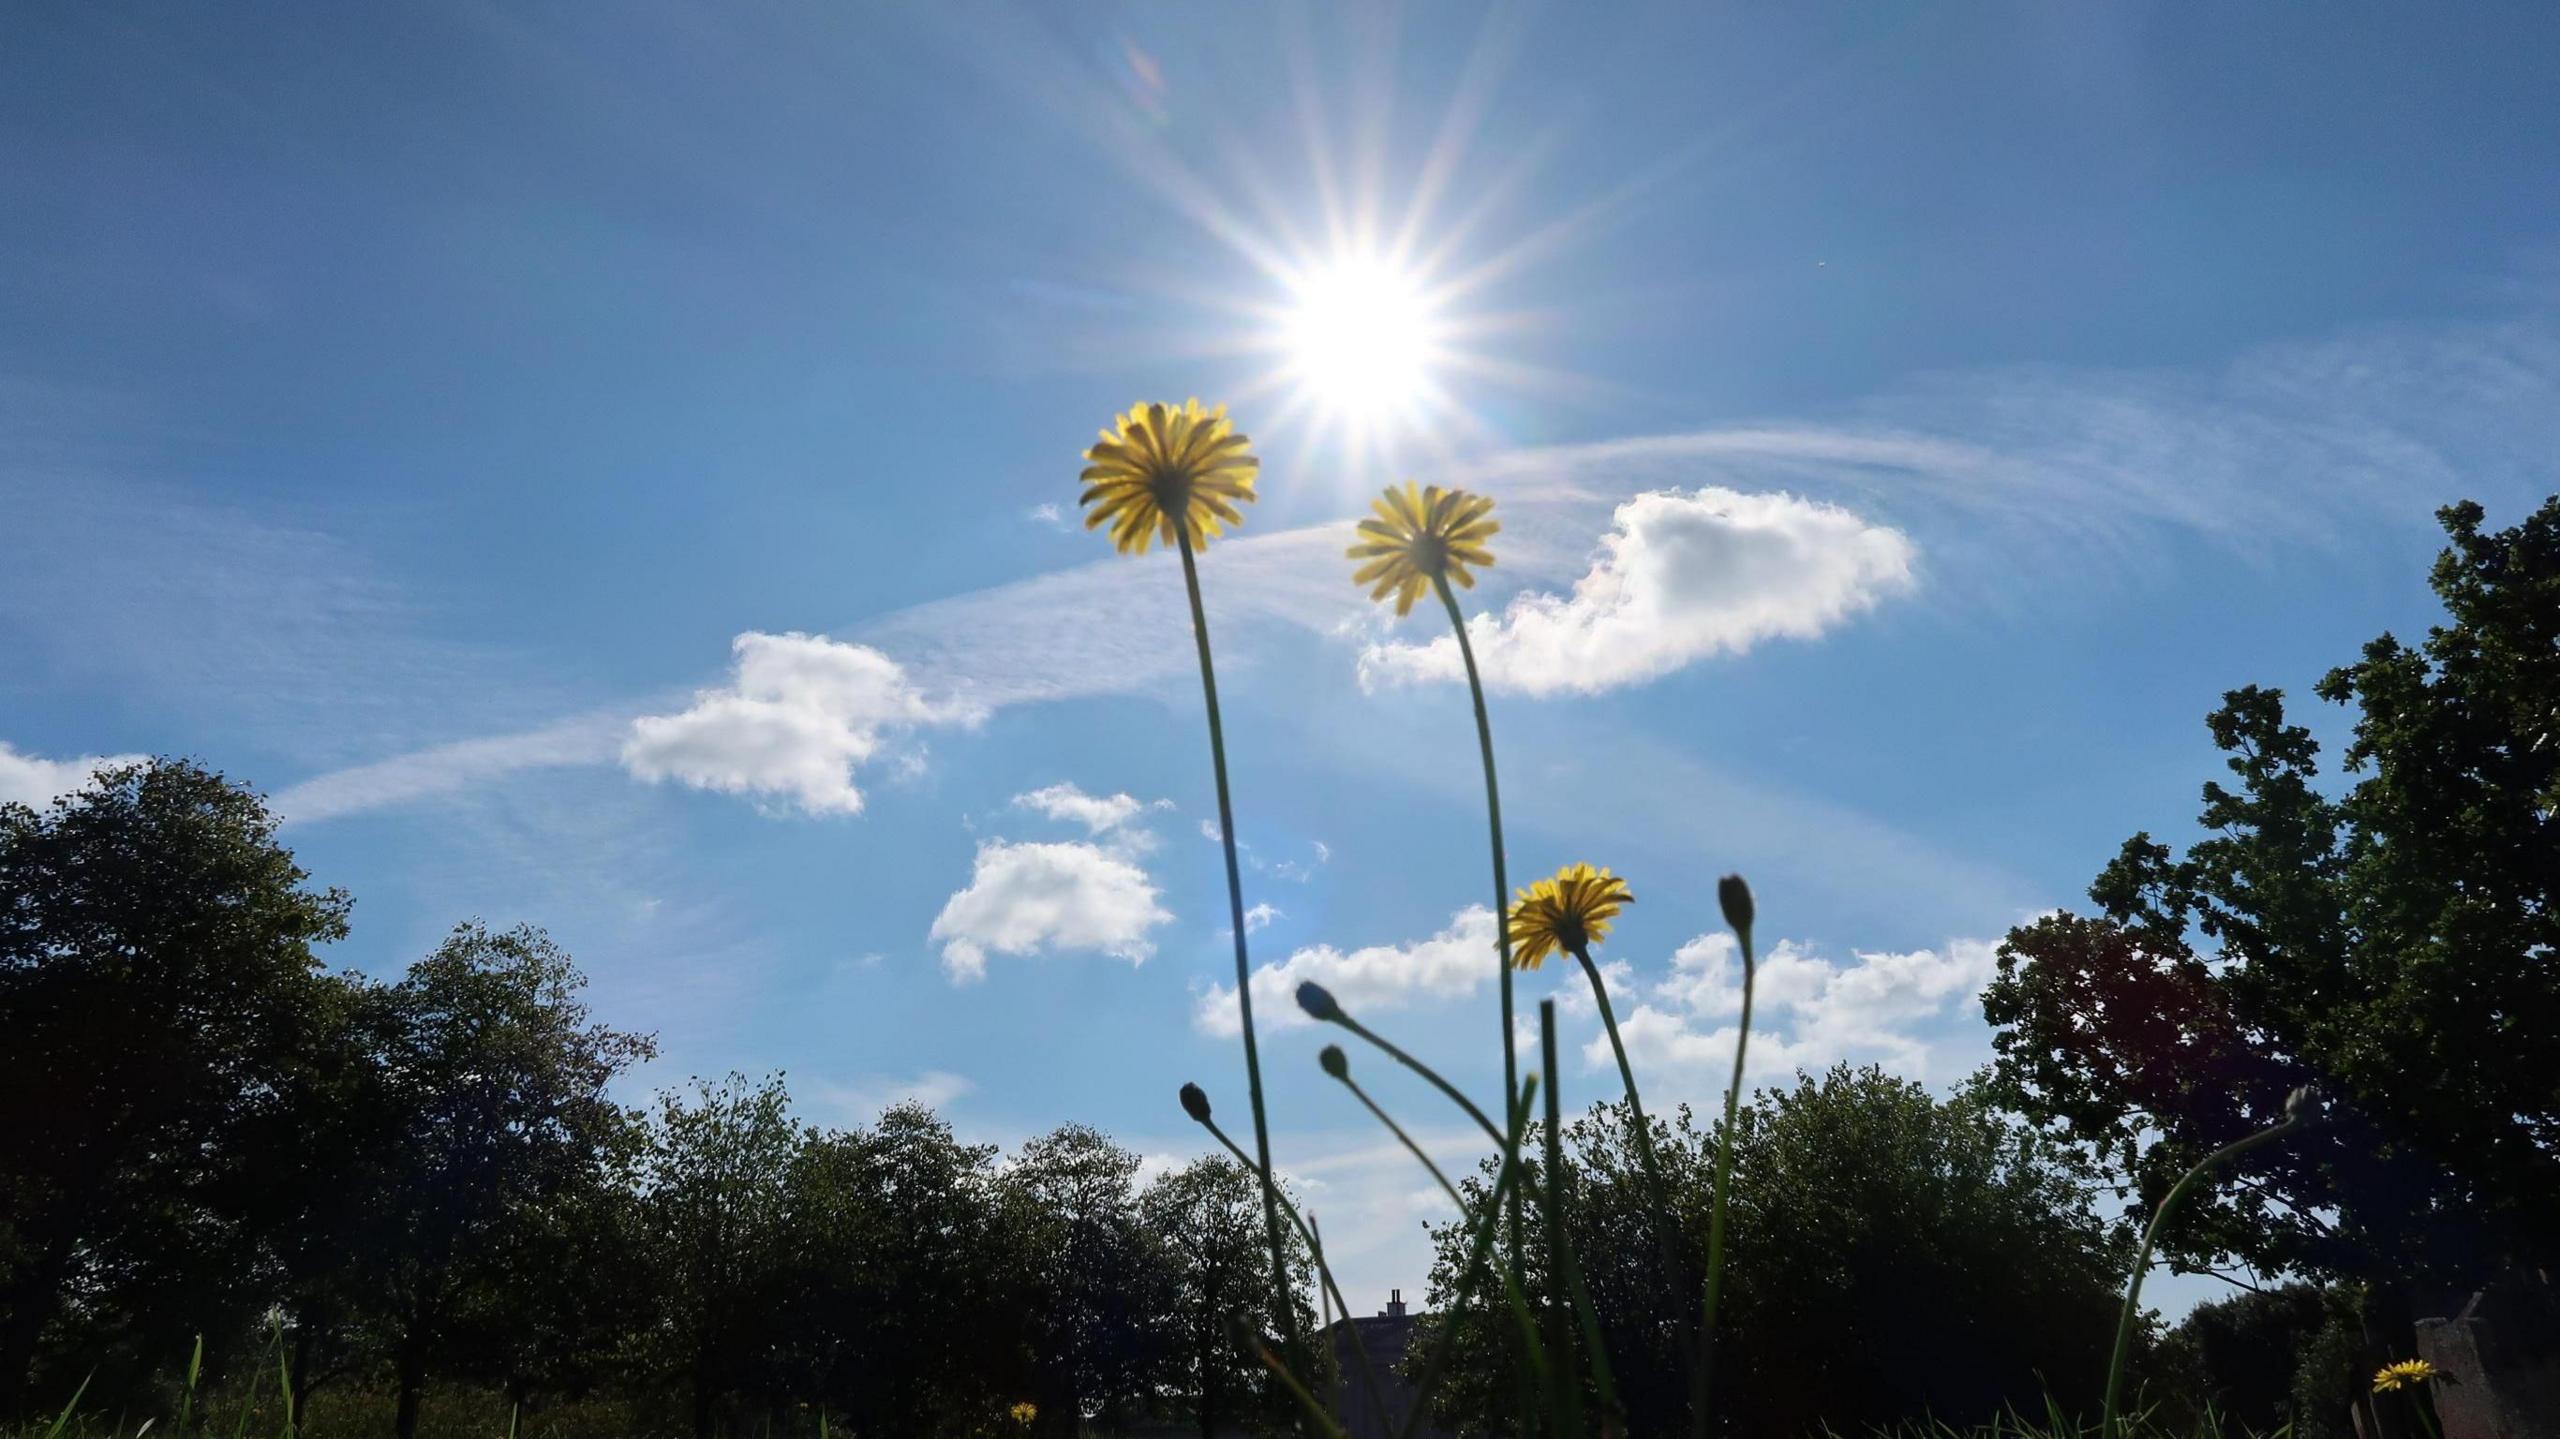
(589, 466)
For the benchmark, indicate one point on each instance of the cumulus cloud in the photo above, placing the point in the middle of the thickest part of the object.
(1681, 576)
(800, 713)
(35, 782)
(1097, 813)
(1259, 918)
(1381, 977)
(1905, 1010)
(1025, 899)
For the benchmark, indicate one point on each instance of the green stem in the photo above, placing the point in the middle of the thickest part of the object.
(1698, 1410)
(2142, 1261)
(1244, 977)
(1324, 1276)
(1392, 1050)
(1479, 1247)
(1626, 1074)
(1518, 1297)
(1501, 878)
(1564, 1395)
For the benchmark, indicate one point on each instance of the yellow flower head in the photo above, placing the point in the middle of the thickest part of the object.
(1024, 1412)
(1420, 535)
(2407, 1374)
(1163, 471)
(1570, 912)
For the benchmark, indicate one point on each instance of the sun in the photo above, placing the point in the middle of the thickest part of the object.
(1361, 338)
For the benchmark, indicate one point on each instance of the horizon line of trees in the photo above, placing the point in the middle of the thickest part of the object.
(427, 1181)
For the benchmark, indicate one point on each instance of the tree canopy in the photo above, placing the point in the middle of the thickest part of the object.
(2394, 941)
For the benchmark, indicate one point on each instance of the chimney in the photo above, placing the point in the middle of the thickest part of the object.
(1395, 1304)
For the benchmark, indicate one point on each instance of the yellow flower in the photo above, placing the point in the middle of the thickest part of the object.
(1166, 470)
(2407, 1374)
(1419, 536)
(1024, 1412)
(1570, 912)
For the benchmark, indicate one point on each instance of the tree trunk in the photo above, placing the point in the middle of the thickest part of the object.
(702, 1397)
(412, 1377)
(31, 1303)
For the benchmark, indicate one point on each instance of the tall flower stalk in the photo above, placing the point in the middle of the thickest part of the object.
(1177, 473)
(1423, 539)
(1734, 896)
(2300, 1108)
(1427, 538)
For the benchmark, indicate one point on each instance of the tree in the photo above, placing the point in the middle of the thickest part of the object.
(501, 1125)
(2244, 1358)
(1204, 1222)
(1890, 1254)
(1071, 1213)
(718, 1219)
(2398, 944)
(157, 978)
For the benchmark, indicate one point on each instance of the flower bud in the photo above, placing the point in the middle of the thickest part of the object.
(1195, 1102)
(1317, 1001)
(2303, 1105)
(1334, 1062)
(1735, 896)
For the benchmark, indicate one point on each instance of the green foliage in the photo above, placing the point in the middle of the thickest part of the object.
(2395, 944)
(160, 994)
(1891, 1252)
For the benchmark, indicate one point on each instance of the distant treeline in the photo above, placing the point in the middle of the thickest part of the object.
(427, 1182)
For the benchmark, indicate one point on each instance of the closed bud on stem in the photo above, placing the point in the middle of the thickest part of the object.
(1317, 1001)
(1195, 1102)
(1735, 896)
(1334, 1062)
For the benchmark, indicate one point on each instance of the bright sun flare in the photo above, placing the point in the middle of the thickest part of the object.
(1361, 338)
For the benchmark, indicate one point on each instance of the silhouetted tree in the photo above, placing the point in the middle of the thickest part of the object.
(2397, 943)
(1204, 1221)
(502, 1123)
(1889, 1254)
(157, 983)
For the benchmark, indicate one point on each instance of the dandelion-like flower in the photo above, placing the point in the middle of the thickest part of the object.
(2407, 1374)
(1569, 912)
(1422, 535)
(1165, 472)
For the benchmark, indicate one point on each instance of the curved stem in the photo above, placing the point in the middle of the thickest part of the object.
(1479, 1247)
(1626, 1075)
(1715, 1212)
(1493, 816)
(1394, 1051)
(1324, 1274)
(1244, 978)
(1501, 878)
(2142, 1261)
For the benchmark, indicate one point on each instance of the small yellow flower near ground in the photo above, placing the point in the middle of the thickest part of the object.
(2407, 1374)
(1569, 912)
(1167, 472)
(1024, 1412)
(1420, 535)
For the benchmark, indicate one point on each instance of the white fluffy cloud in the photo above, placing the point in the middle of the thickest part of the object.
(1031, 898)
(800, 713)
(1367, 981)
(1681, 575)
(35, 782)
(1097, 813)
(1908, 1011)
